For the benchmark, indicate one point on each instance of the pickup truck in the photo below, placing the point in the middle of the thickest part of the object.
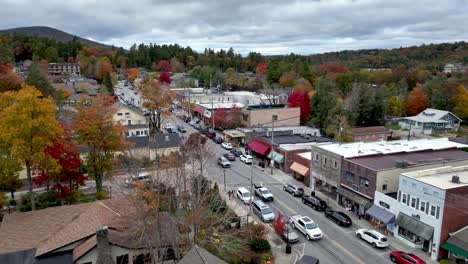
(307, 226)
(263, 193)
(314, 202)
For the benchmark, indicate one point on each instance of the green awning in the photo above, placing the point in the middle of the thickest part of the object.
(460, 252)
(415, 226)
(278, 158)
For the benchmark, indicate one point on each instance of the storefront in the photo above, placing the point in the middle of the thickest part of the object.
(300, 171)
(234, 136)
(414, 232)
(352, 201)
(381, 218)
(277, 158)
(260, 148)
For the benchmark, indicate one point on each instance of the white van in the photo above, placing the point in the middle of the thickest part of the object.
(244, 195)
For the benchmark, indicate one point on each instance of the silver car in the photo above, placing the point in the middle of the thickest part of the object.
(263, 211)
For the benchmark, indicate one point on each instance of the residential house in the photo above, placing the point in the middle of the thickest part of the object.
(199, 255)
(63, 68)
(430, 204)
(431, 121)
(132, 118)
(371, 134)
(454, 67)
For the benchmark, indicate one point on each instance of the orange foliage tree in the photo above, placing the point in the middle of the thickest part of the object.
(261, 68)
(417, 101)
(103, 65)
(157, 99)
(9, 80)
(133, 74)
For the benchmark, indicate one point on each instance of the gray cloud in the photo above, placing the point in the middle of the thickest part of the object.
(270, 27)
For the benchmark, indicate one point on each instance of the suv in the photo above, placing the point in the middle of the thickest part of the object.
(338, 217)
(314, 202)
(223, 162)
(372, 237)
(218, 140)
(226, 145)
(264, 193)
(244, 195)
(263, 211)
(181, 129)
(293, 189)
(247, 159)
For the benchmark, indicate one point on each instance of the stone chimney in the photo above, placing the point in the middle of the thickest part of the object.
(103, 247)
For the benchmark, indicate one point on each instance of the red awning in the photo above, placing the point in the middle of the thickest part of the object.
(259, 147)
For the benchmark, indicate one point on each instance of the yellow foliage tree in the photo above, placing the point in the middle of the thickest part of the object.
(157, 100)
(28, 124)
(460, 100)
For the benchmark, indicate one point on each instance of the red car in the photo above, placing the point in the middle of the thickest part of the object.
(401, 257)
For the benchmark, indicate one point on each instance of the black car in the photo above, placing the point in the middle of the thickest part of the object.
(314, 202)
(293, 189)
(230, 156)
(181, 129)
(308, 260)
(218, 140)
(338, 217)
(236, 152)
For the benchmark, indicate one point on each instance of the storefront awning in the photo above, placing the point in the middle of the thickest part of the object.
(259, 147)
(460, 252)
(278, 158)
(381, 214)
(353, 196)
(415, 226)
(299, 168)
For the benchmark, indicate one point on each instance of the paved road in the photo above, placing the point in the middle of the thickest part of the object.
(339, 245)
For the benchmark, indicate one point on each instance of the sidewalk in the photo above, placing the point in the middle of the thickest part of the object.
(395, 243)
(277, 245)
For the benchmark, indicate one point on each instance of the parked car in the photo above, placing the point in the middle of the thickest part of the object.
(187, 119)
(293, 189)
(401, 257)
(314, 202)
(169, 127)
(338, 217)
(264, 194)
(244, 195)
(211, 134)
(192, 122)
(263, 211)
(142, 176)
(181, 129)
(308, 260)
(372, 237)
(230, 156)
(203, 130)
(247, 159)
(223, 162)
(307, 226)
(236, 152)
(289, 235)
(226, 145)
(218, 140)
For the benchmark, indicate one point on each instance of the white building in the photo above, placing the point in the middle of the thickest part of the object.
(431, 121)
(132, 118)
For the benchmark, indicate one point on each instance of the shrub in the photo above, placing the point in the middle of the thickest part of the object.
(260, 245)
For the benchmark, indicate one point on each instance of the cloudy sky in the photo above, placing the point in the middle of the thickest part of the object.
(269, 27)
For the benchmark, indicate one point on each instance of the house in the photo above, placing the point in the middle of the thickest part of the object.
(431, 121)
(77, 234)
(457, 245)
(132, 118)
(371, 134)
(179, 80)
(164, 144)
(199, 255)
(63, 68)
(454, 67)
(429, 205)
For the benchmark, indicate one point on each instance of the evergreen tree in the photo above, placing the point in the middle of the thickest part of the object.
(37, 77)
(107, 82)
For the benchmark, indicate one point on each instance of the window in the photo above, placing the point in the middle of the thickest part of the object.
(138, 133)
(127, 134)
(316, 158)
(349, 176)
(335, 164)
(413, 185)
(123, 259)
(422, 207)
(325, 161)
(364, 182)
(127, 113)
(404, 182)
(129, 122)
(413, 202)
(433, 210)
(119, 114)
(425, 189)
(384, 187)
(146, 132)
(403, 198)
(436, 193)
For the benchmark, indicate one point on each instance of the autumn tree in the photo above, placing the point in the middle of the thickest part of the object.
(164, 78)
(261, 68)
(302, 100)
(28, 124)
(287, 79)
(133, 74)
(96, 129)
(103, 65)
(37, 77)
(460, 100)
(163, 65)
(9, 80)
(9, 172)
(157, 100)
(280, 225)
(394, 106)
(338, 127)
(417, 102)
(176, 65)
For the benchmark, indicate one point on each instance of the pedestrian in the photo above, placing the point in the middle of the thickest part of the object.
(229, 194)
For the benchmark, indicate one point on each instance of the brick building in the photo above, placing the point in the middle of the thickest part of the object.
(63, 68)
(371, 134)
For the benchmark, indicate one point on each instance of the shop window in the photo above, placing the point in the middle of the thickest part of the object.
(349, 176)
(123, 259)
(403, 198)
(433, 210)
(364, 182)
(413, 202)
(410, 236)
(422, 207)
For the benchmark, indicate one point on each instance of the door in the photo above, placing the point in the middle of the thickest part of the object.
(426, 245)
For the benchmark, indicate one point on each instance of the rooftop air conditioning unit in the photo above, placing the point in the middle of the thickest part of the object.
(455, 179)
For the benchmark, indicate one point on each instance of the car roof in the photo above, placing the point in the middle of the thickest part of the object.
(261, 204)
(242, 189)
(307, 219)
(263, 189)
(375, 233)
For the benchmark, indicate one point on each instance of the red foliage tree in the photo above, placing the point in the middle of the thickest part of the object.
(332, 68)
(9, 81)
(302, 100)
(417, 101)
(68, 179)
(261, 68)
(279, 224)
(163, 65)
(164, 78)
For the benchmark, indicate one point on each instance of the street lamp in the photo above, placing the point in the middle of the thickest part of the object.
(273, 119)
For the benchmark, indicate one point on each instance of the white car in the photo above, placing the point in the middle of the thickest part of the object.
(247, 159)
(307, 226)
(372, 237)
(264, 193)
(226, 145)
(168, 126)
(244, 195)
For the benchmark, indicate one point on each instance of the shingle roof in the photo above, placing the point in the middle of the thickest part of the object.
(295, 139)
(370, 130)
(84, 247)
(199, 255)
(430, 115)
(171, 140)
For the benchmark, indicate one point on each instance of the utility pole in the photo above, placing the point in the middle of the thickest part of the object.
(251, 183)
(312, 178)
(409, 132)
(273, 119)
(339, 132)
(224, 176)
(212, 107)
